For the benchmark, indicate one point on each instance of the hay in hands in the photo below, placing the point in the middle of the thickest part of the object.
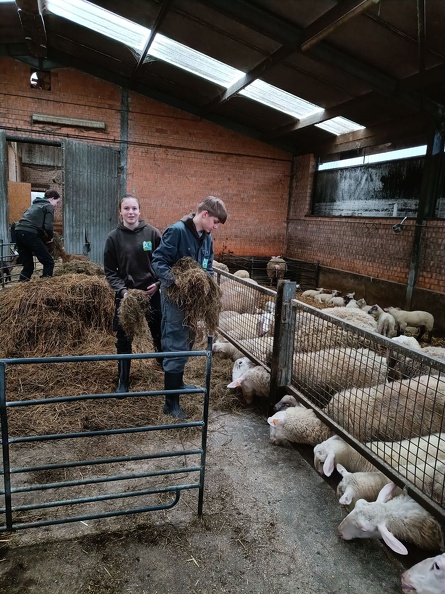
(79, 267)
(197, 294)
(133, 312)
(51, 316)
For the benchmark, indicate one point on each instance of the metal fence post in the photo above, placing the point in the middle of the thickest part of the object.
(283, 348)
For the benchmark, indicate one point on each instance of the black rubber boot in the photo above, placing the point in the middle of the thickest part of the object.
(185, 386)
(173, 381)
(124, 375)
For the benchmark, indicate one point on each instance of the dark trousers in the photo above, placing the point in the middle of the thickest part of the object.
(176, 335)
(123, 342)
(30, 245)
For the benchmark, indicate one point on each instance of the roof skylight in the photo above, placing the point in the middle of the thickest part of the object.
(339, 126)
(188, 59)
(278, 99)
(415, 151)
(102, 21)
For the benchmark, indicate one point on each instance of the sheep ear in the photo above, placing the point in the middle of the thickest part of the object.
(345, 499)
(342, 470)
(235, 384)
(386, 493)
(393, 542)
(328, 466)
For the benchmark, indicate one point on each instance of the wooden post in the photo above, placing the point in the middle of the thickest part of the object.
(283, 349)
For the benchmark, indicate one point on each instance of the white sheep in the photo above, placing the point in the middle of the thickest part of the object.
(388, 412)
(253, 382)
(352, 304)
(393, 519)
(297, 424)
(286, 401)
(226, 350)
(312, 292)
(336, 302)
(318, 375)
(240, 325)
(336, 450)
(326, 297)
(401, 366)
(426, 577)
(266, 324)
(363, 305)
(240, 366)
(242, 274)
(238, 297)
(220, 266)
(385, 321)
(419, 319)
(359, 485)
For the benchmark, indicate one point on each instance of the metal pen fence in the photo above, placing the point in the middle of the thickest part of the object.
(384, 399)
(48, 490)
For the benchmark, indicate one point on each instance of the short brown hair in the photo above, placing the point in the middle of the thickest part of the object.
(52, 194)
(215, 207)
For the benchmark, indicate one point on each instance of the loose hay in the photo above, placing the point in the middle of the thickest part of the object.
(79, 267)
(133, 313)
(49, 317)
(197, 294)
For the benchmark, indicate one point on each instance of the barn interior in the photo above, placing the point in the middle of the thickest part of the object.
(320, 123)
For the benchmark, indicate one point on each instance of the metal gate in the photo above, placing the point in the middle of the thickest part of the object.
(29, 501)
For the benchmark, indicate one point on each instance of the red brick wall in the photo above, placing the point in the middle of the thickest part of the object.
(363, 246)
(174, 159)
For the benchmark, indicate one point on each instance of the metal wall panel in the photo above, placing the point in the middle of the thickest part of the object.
(90, 197)
(4, 222)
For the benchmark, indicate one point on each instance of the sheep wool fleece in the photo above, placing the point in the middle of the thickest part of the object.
(180, 240)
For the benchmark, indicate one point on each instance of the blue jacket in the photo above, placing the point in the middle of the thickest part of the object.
(179, 241)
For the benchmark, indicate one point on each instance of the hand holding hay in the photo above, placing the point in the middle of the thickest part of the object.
(197, 294)
(133, 310)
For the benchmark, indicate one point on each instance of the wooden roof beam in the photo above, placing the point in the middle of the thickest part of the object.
(33, 27)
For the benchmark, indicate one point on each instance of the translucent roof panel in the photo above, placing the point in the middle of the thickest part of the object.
(188, 59)
(339, 126)
(101, 20)
(269, 95)
(415, 151)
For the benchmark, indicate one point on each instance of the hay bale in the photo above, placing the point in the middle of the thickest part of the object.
(50, 316)
(133, 312)
(79, 267)
(197, 294)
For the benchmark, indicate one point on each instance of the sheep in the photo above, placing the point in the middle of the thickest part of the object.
(337, 302)
(363, 306)
(276, 269)
(253, 382)
(314, 333)
(220, 266)
(312, 292)
(359, 485)
(419, 319)
(242, 274)
(7, 265)
(392, 519)
(266, 324)
(286, 401)
(297, 424)
(318, 375)
(326, 297)
(425, 577)
(238, 297)
(352, 304)
(401, 366)
(391, 412)
(240, 326)
(385, 321)
(399, 454)
(240, 366)
(227, 350)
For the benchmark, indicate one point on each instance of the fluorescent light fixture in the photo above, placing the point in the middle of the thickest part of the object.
(273, 97)
(339, 126)
(102, 21)
(195, 62)
(415, 151)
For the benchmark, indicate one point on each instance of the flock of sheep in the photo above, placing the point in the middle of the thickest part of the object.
(384, 401)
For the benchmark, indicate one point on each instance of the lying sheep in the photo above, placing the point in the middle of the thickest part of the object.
(220, 266)
(226, 350)
(387, 412)
(402, 366)
(386, 323)
(238, 297)
(359, 485)
(253, 382)
(426, 577)
(240, 366)
(419, 319)
(352, 304)
(312, 292)
(393, 519)
(286, 402)
(319, 375)
(363, 305)
(326, 297)
(336, 302)
(242, 274)
(239, 326)
(313, 333)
